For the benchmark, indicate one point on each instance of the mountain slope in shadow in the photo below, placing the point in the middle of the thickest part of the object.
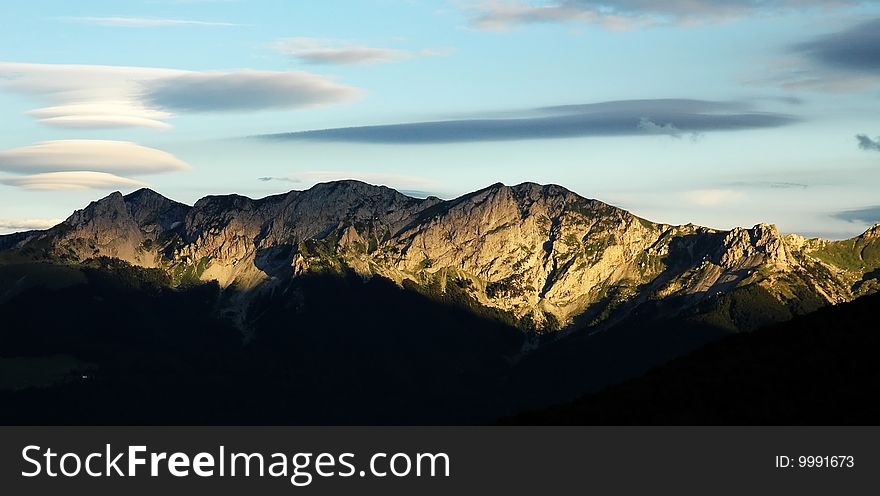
(333, 350)
(817, 369)
(111, 343)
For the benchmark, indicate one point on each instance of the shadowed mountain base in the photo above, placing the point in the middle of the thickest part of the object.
(123, 348)
(818, 369)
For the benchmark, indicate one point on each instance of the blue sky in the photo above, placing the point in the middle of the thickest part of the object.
(718, 113)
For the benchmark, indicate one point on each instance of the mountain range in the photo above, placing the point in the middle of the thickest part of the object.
(542, 255)
(530, 292)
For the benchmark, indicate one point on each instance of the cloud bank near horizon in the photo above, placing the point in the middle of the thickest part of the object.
(867, 215)
(27, 224)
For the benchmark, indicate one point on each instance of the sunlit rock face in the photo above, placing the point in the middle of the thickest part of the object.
(548, 258)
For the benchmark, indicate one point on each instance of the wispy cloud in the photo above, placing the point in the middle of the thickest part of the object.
(323, 51)
(618, 118)
(770, 184)
(712, 197)
(142, 22)
(866, 143)
(191, 1)
(95, 96)
(628, 14)
(71, 181)
(117, 157)
(502, 16)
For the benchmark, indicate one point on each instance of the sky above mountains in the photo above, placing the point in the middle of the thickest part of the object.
(717, 113)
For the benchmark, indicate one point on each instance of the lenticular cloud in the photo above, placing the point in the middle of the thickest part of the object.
(71, 181)
(113, 157)
(84, 164)
(95, 96)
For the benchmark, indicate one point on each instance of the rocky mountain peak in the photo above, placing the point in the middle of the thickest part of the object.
(144, 194)
(354, 187)
(107, 212)
(118, 226)
(154, 212)
(534, 190)
(355, 196)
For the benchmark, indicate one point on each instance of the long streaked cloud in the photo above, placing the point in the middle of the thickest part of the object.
(115, 157)
(627, 14)
(94, 96)
(769, 184)
(866, 143)
(71, 181)
(619, 118)
(27, 224)
(321, 51)
(142, 22)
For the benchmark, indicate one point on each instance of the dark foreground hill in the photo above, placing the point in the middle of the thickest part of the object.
(121, 349)
(818, 369)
